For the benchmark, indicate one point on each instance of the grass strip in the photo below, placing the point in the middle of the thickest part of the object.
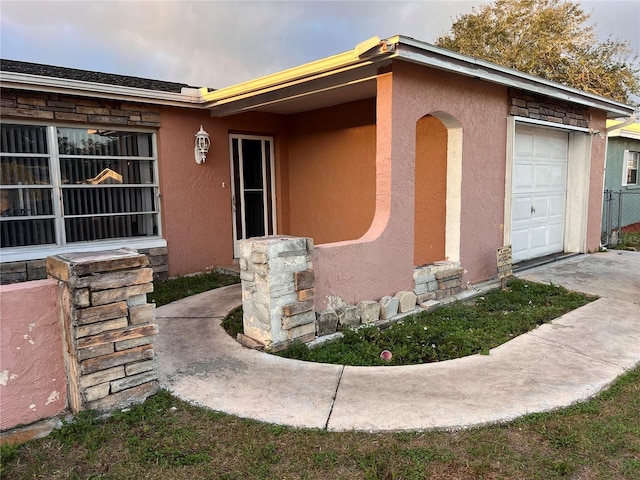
(170, 439)
(167, 291)
(628, 241)
(452, 331)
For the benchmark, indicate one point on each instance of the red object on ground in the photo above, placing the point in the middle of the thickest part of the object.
(386, 355)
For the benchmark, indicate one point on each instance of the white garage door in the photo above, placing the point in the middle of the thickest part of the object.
(539, 192)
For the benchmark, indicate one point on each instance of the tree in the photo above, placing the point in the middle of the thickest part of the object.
(549, 39)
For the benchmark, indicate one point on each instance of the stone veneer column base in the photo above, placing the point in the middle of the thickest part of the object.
(278, 288)
(108, 327)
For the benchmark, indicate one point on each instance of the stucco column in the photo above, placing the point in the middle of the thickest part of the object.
(596, 181)
(381, 261)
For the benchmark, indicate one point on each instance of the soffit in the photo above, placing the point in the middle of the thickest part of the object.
(351, 84)
(304, 102)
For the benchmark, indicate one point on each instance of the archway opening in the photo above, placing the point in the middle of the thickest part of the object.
(438, 178)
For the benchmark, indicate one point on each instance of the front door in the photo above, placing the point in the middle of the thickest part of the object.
(252, 188)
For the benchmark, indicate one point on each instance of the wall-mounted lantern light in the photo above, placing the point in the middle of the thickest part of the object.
(202, 146)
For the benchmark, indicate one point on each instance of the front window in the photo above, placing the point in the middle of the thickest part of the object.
(630, 171)
(70, 185)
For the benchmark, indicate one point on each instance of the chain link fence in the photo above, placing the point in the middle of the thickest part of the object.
(620, 215)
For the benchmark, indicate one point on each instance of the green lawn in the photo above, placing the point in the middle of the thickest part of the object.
(168, 439)
(629, 241)
(167, 291)
(452, 331)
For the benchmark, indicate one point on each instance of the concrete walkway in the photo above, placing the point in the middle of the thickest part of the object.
(553, 366)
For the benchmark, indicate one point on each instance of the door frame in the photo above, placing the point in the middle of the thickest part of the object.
(266, 199)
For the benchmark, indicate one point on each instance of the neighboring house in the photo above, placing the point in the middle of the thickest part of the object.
(622, 183)
(393, 155)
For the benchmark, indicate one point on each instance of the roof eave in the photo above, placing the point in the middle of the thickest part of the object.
(423, 53)
(624, 134)
(303, 80)
(376, 51)
(364, 54)
(625, 129)
(25, 81)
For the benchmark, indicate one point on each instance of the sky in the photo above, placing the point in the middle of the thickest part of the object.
(220, 43)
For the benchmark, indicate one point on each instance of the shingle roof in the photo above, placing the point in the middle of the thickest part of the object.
(16, 66)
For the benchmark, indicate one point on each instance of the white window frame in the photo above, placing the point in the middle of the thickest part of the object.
(34, 252)
(628, 157)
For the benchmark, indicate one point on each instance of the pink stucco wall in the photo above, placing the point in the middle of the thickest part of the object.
(196, 199)
(33, 380)
(481, 109)
(324, 171)
(381, 262)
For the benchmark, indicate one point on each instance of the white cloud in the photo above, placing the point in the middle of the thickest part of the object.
(217, 43)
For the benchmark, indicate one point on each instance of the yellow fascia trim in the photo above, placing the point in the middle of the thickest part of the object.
(634, 127)
(334, 64)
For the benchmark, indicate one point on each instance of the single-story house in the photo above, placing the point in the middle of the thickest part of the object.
(392, 155)
(621, 183)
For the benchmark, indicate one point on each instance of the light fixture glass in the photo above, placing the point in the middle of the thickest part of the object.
(202, 146)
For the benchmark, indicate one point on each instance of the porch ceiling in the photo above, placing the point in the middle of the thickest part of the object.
(347, 86)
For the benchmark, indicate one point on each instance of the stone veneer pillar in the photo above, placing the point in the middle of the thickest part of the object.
(108, 327)
(437, 281)
(278, 287)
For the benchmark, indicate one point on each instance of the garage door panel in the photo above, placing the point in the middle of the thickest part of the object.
(558, 145)
(542, 148)
(559, 177)
(556, 208)
(521, 209)
(523, 178)
(524, 143)
(539, 192)
(555, 236)
(542, 176)
(519, 243)
(540, 209)
(538, 237)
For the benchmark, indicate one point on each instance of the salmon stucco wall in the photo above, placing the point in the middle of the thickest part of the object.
(33, 379)
(481, 109)
(196, 199)
(596, 180)
(381, 262)
(332, 169)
